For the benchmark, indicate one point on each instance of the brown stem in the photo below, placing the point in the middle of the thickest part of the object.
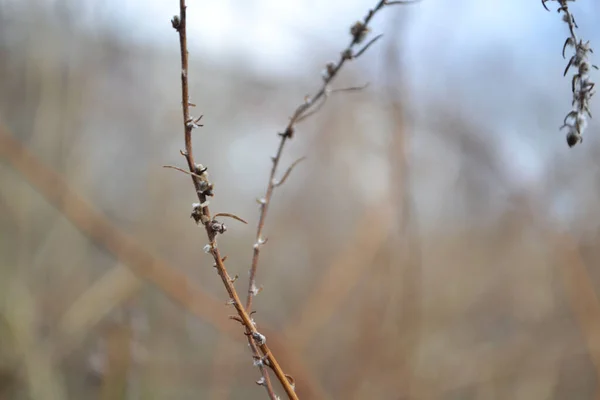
(301, 112)
(259, 349)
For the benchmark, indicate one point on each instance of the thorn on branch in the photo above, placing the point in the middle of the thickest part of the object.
(231, 216)
(350, 89)
(181, 169)
(361, 51)
(318, 107)
(236, 318)
(544, 4)
(407, 2)
(193, 123)
(568, 42)
(288, 172)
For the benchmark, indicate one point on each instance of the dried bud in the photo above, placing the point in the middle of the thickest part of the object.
(196, 212)
(359, 31)
(259, 338)
(206, 188)
(176, 22)
(217, 227)
(573, 138)
(328, 71)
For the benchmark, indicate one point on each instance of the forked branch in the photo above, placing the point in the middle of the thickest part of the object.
(263, 358)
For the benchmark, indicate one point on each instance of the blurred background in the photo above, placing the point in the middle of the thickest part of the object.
(440, 241)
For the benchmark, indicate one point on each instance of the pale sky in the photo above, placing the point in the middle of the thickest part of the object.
(450, 46)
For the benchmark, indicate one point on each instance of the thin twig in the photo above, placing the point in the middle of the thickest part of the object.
(323, 99)
(310, 106)
(261, 353)
(361, 51)
(288, 172)
(182, 170)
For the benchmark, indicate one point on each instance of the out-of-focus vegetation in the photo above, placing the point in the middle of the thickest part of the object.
(402, 262)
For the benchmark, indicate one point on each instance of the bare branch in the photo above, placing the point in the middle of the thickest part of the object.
(203, 189)
(310, 106)
(182, 170)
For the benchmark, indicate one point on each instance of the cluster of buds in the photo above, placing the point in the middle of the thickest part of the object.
(198, 213)
(581, 85)
(582, 88)
(217, 227)
(200, 217)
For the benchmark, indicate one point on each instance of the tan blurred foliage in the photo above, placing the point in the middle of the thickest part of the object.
(106, 292)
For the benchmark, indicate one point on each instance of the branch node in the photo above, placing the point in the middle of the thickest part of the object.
(359, 31)
(198, 213)
(291, 380)
(217, 227)
(260, 242)
(259, 338)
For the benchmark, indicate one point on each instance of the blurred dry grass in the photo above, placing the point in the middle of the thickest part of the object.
(498, 304)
